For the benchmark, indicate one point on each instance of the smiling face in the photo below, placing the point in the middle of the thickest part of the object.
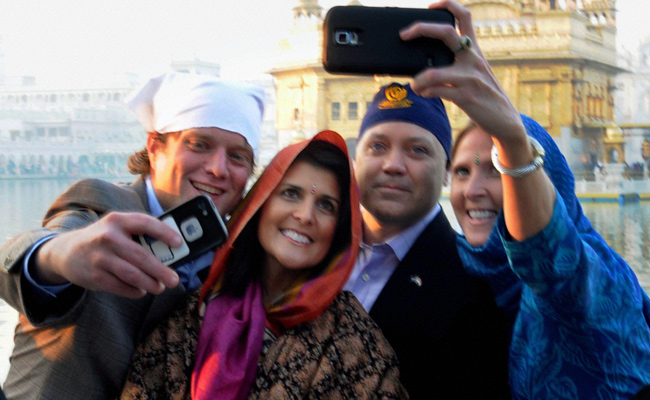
(298, 220)
(202, 160)
(476, 192)
(400, 168)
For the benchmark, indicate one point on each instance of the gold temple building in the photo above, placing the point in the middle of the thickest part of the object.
(555, 58)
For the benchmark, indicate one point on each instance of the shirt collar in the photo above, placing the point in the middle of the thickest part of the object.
(402, 242)
(154, 205)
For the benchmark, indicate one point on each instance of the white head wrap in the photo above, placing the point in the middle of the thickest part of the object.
(178, 101)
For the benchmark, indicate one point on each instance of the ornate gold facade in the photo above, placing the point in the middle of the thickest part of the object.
(558, 65)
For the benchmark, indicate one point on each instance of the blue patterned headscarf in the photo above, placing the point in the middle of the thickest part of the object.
(558, 170)
(602, 350)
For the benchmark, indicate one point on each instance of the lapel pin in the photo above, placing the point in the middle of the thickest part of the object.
(417, 280)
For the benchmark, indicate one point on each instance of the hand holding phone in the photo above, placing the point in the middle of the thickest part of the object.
(365, 40)
(200, 226)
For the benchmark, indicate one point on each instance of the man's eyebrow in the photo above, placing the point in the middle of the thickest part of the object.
(244, 146)
(377, 135)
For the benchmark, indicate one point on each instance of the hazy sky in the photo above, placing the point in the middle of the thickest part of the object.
(68, 42)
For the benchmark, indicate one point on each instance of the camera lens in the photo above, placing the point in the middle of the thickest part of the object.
(342, 38)
(346, 38)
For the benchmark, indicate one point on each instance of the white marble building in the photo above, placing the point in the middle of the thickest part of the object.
(87, 131)
(632, 99)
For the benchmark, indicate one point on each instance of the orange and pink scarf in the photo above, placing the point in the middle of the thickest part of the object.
(230, 340)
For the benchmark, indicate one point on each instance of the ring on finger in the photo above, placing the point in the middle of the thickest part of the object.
(465, 44)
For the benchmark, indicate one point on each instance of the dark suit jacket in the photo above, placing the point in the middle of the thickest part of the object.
(450, 337)
(79, 346)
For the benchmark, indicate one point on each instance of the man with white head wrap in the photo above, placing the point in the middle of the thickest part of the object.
(85, 290)
(178, 101)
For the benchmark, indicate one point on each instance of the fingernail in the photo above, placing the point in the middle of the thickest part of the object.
(174, 280)
(177, 241)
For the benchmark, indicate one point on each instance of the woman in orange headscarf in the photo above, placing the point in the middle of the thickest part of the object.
(271, 319)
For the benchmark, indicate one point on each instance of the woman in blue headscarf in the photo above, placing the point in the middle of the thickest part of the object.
(580, 318)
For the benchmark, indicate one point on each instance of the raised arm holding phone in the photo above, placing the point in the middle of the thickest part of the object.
(391, 154)
(581, 317)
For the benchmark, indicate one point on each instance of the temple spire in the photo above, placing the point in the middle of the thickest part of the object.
(307, 9)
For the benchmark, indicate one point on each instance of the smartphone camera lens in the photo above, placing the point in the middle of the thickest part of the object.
(346, 38)
(191, 229)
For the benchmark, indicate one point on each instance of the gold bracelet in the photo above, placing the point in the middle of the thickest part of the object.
(538, 161)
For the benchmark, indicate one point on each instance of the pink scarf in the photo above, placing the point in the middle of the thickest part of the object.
(225, 365)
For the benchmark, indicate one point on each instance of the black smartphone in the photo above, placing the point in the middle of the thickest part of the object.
(200, 225)
(365, 40)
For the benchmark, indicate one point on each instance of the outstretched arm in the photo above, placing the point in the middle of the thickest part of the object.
(103, 256)
(470, 84)
(93, 250)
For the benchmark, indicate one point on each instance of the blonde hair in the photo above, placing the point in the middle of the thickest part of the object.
(138, 162)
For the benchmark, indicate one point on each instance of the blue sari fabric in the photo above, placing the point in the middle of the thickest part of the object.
(580, 318)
